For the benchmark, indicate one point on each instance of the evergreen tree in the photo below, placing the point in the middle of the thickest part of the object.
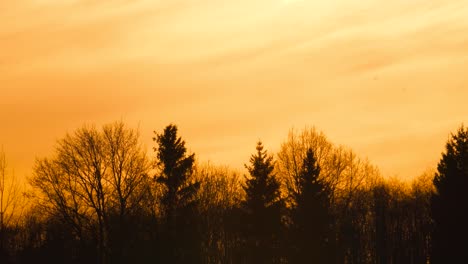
(178, 199)
(311, 218)
(449, 203)
(263, 207)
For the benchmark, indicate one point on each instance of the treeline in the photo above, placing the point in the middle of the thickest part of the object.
(101, 199)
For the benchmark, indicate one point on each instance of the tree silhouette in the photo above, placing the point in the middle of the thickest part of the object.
(219, 197)
(449, 203)
(311, 218)
(92, 176)
(178, 199)
(293, 152)
(11, 203)
(318, 203)
(263, 207)
(348, 178)
(381, 199)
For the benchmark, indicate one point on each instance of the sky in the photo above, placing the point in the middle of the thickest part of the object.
(386, 78)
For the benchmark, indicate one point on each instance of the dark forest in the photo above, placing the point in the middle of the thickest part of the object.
(100, 198)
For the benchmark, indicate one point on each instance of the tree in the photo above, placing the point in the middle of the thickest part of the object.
(449, 203)
(422, 188)
(263, 207)
(311, 216)
(11, 204)
(348, 178)
(219, 195)
(293, 153)
(175, 170)
(94, 176)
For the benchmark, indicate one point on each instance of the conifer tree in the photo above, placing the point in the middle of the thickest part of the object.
(179, 197)
(449, 203)
(311, 218)
(263, 207)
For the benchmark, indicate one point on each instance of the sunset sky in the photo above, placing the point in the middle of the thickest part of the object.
(387, 78)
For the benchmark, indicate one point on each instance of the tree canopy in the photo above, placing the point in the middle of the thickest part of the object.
(99, 198)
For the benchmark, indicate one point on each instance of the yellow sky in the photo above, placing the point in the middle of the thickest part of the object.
(387, 78)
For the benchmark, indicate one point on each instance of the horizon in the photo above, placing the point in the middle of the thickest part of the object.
(386, 79)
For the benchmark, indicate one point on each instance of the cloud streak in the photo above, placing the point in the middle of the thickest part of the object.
(375, 75)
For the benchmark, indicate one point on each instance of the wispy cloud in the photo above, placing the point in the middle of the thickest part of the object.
(230, 72)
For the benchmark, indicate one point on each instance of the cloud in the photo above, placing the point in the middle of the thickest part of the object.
(368, 73)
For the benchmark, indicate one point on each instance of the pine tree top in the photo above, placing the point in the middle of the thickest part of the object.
(262, 187)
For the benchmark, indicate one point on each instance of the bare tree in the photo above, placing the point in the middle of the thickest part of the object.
(341, 169)
(92, 174)
(293, 152)
(347, 177)
(11, 200)
(220, 193)
(220, 186)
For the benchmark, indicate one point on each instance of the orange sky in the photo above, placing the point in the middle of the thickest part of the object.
(387, 78)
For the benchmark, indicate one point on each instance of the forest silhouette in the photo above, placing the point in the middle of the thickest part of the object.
(100, 198)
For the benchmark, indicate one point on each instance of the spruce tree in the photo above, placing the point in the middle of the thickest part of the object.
(449, 203)
(311, 218)
(179, 197)
(262, 207)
